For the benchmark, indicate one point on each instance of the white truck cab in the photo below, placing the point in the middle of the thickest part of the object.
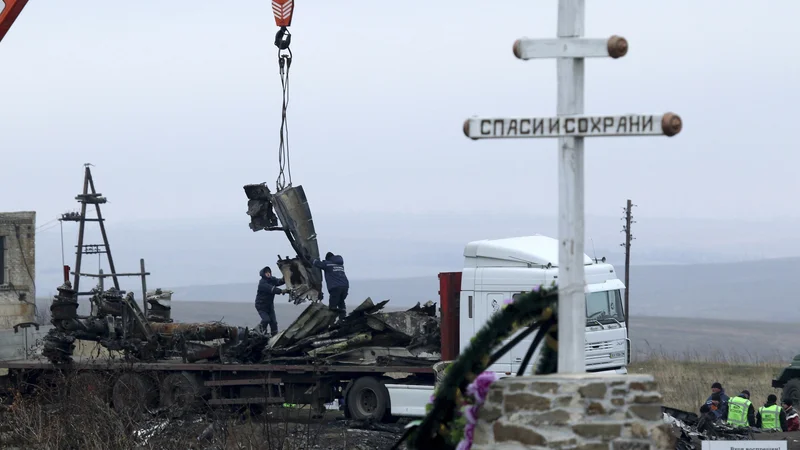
(500, 269)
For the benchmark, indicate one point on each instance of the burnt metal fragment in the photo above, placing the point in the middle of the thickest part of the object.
(287, 210)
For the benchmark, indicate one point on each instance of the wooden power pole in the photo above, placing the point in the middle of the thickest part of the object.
(628, 238)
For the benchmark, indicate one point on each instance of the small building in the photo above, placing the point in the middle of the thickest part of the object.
(17, 268)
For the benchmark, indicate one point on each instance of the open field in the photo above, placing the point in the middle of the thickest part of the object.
(687, 384)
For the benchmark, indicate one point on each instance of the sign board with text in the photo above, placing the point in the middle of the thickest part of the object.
(573, 126)
(744, 445)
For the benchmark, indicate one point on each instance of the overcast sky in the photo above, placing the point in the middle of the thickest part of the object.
(177, 104)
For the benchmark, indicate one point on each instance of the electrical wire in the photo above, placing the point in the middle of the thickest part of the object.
(47, 223)
(63, 263)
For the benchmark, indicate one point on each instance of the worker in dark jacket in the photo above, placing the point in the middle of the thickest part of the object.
(265, 299)
(720, 408)
(714, 409)
(771, 417)
(336, 279)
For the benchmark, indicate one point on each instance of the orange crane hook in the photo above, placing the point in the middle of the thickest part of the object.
(282, 10)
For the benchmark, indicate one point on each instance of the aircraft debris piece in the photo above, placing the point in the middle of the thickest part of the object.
(287, 210)
(365, 336)
(160, 309)
(690, 430)
(117, 323)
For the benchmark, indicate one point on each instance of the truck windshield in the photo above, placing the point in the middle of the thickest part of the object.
(604, 307)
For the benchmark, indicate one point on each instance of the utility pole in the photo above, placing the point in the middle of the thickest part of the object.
(628, 238)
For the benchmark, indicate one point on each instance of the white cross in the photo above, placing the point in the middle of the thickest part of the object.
(570, 126)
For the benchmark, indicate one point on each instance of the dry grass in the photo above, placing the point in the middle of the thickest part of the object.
(685, 380)
(51, 414)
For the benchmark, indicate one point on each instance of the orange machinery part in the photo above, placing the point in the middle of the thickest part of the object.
(283, 9)
(12, 9)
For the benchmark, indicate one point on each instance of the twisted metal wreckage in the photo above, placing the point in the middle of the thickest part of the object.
(366, 336)
(691, 429)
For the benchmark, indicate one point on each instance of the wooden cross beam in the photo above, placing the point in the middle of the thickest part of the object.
(570, 127)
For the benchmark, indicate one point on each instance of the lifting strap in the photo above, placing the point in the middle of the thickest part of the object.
(283, 9)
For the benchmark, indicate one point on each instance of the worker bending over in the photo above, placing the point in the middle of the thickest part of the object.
(265, 299)
(336, 279)
(771, 416)
(741, 412)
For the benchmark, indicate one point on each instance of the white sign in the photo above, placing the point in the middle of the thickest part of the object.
(573, 126)
(744, 445)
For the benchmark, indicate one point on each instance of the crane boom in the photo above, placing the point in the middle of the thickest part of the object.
(12, 8)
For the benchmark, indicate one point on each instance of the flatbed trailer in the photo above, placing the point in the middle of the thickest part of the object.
(180, 387)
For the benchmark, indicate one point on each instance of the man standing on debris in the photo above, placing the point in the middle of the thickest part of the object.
(792, 419)
(771, 416)
(337, 282)
(265, 299)
(741, 412)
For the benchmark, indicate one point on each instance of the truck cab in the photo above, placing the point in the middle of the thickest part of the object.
(501, 269)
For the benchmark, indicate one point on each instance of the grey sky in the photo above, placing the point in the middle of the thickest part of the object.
(177, 104)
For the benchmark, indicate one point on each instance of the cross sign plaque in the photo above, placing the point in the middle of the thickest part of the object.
(570, 127)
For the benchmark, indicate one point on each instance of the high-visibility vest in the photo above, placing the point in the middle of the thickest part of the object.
(770, 417)
(737, 411)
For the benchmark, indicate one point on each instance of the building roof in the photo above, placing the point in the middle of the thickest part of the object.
(536, 249)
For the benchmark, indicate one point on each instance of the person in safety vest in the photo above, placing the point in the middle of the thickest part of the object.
(771, 417)
(792, 419)
(741, 412)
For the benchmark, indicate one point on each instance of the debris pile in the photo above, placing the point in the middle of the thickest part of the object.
(691, 429)
(367, 336)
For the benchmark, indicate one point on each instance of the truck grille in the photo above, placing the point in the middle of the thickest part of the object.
(597, 346)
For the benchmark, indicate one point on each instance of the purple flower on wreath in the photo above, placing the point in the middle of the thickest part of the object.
(479, 388)
(471, 413)
(469, 434)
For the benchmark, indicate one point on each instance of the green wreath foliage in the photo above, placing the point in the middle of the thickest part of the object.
(442, 428)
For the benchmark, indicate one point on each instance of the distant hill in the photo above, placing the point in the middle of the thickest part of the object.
(760, 290)
(401, 291)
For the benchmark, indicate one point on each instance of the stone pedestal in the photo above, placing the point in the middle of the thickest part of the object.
(581, 411)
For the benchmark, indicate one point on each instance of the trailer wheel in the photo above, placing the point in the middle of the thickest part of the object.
(792, 390)
(367, 399)
(84, 385)
(181, 392)
(134, 394)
